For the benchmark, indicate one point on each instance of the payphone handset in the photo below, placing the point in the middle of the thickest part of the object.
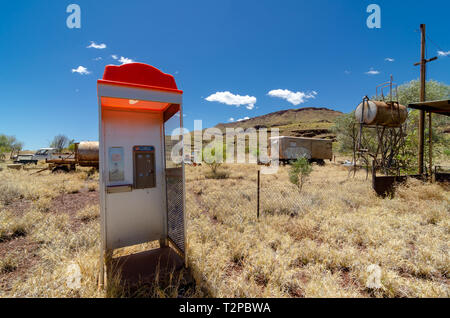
(144, 167)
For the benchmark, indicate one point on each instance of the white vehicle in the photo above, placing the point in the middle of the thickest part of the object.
(189, 160)
(44, 153)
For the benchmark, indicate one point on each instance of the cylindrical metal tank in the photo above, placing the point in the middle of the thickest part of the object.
(87, 154)
(381, 113)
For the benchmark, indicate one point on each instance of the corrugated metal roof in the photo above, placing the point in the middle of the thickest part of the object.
(441, 107)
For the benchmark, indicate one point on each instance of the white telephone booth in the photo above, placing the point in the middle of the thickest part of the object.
(141, 188)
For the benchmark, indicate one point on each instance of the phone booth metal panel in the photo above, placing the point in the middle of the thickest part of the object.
(142, 195)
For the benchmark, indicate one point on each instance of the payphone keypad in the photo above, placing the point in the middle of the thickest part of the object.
(144, 167)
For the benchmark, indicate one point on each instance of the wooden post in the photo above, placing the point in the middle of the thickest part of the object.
(423, 74)
(422, 98)
(430, 145)
(258, 188)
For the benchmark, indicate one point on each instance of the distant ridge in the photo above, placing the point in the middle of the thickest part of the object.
(302, 122)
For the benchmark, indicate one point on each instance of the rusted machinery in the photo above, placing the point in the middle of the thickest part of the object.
(379, 137)
(84, 155)
(380, 113)
(379, 131)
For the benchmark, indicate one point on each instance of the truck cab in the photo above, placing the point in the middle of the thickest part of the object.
(44, 153)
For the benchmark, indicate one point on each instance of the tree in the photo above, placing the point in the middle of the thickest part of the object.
(410, 93)
(16, 146)
(347, 131)
(344, 130)
(60, 142)
(4, 144)
(213, 160)
(71, 146)
(10, 144)
(299, 172)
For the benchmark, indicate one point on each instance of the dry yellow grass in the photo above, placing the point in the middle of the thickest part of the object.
(315, 244)
(320, 243)
(58, 243)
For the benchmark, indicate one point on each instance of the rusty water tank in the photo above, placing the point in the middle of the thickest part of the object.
(380, 113)
(87, 153)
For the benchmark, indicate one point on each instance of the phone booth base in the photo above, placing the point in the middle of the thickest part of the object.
(142, 195)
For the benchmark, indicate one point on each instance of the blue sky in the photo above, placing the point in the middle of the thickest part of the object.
(312, 53)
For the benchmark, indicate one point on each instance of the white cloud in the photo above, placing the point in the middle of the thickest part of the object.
(293, 98)
(81, 70)
(442, 53)
(389, 59)
(231, 119)
(233, 100)
(347, 72)
(372, 72)
(242, 119)
(123, 60)
(94, 45)
(98, 58)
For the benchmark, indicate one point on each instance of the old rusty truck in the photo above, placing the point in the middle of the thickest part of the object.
(40, 155)
(84, 155)
(44, 153)
(291, 148)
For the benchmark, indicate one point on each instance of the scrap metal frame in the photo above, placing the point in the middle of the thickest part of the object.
(390, 139)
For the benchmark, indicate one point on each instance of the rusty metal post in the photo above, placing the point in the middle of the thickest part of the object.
(258, 188)
(423, 74)
(430, 146)
(422, 98)
(374, 172)
(76, 151)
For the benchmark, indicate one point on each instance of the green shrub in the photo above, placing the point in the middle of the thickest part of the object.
(299, 172)
(214, 161)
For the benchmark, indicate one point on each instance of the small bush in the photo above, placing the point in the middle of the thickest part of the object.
(299, 172)
(72, 188)
(8, 264)
(89, 213)
(12, 230)
(9, 192)
(43, 204)
(217, 174)
(214, 160)
(93, 186)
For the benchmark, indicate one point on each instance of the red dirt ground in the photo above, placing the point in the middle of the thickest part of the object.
(27, 249)
(28, 258)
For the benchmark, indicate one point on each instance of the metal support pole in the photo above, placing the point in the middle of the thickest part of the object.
(422, 98)
(423, 74)
(430, 145)
(258, 188)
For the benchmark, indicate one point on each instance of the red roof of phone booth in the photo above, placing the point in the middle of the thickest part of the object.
(139, 75)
